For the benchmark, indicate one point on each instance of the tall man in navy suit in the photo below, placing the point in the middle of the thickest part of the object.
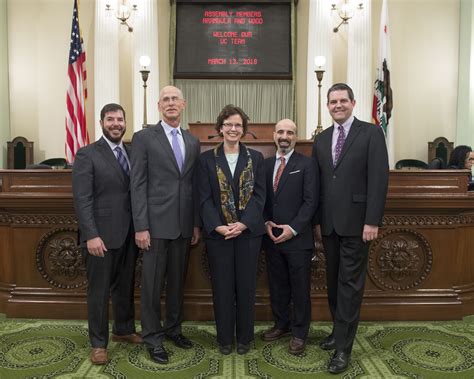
(291, 202)
(101, 188)
(166, 219)
(351, 157)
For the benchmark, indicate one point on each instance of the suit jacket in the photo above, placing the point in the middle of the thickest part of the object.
(210, 195)
(352, 193)
(101, 195)
(295, 201)
(162, 196)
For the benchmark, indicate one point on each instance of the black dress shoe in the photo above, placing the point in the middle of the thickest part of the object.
(329, 343)
(339, 362)
(243, 348)
(225, 349)
(158, 354)
(181, 341)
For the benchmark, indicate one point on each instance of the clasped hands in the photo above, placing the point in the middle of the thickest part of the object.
(231, 230)
(284, 236)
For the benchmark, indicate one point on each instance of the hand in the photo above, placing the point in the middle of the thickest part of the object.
(286, 235)
(317, 233)
(96, 247)
(235, 229)
(196, 236)
(222, 229)
(370, 233)
(142, 239)
(269, 226)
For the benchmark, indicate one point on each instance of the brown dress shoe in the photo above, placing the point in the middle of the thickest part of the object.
(297, 346)
(274, 334)
(129, 338)
(99, 356)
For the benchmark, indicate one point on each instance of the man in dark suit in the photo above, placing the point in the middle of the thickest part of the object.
(291, 202)
(351, 157)
(166, 220)
(100, 184)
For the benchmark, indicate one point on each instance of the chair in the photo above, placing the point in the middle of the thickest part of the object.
(19, 153)
(411, 164)
(440, 148)
(55, 162)
(436, 164)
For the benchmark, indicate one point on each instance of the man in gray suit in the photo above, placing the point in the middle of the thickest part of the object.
(166, 222)
(351, 157)
(100, 184)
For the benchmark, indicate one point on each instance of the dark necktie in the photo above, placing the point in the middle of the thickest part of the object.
(122, 160)
(341, 138)
(176, 149)
(278, 174)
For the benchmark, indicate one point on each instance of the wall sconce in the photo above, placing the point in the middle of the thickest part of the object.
(123, 13)
(319, 62)
(345, 10)
(144, 62)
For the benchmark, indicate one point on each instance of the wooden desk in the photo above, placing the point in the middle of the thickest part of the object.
(420, 268)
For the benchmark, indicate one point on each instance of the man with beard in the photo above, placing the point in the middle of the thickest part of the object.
(165, 219)
(100, 184)
(292, 197)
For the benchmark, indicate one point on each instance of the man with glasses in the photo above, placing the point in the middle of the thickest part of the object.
(165, 219)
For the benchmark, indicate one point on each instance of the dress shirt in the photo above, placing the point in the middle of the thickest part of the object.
(167, 128)
(113, 145)
(335, 134)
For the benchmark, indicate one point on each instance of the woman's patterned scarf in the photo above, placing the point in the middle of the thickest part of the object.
(246, 182)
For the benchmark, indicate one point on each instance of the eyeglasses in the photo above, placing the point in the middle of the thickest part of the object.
(229, 125)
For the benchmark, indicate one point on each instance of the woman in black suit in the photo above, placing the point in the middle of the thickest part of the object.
(231, 181)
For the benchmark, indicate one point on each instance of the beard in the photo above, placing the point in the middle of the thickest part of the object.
(110, 137)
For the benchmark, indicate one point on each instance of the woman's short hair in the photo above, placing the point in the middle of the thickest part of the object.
(458, 156)
(230, 110)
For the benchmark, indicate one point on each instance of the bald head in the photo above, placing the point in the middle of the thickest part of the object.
(285, 136)
(171, 104)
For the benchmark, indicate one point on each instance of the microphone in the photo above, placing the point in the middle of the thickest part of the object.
(252, 134)
(212, 136)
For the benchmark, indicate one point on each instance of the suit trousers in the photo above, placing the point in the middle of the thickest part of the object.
(346, 268)
(165, 259)
(289, 274)
(233, 266)
(111, 276)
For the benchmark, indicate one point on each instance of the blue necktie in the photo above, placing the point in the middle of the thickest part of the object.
(176, 149)
(122, 160)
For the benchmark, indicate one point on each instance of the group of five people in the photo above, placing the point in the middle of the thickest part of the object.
(160, 193)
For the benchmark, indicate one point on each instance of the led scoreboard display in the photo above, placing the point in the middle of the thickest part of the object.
(233, 39)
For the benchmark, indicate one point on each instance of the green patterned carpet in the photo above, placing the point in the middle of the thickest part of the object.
(60, 349)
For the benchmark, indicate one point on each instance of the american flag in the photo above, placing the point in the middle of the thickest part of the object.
(76, 131)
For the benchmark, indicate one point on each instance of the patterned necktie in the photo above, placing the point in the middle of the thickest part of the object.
(176, 149)
(341, 138)
(122, 160)
(278, 174)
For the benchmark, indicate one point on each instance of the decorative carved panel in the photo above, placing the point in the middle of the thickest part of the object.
(400, 259)
(402, 220)
(42, 219)
(59, 259)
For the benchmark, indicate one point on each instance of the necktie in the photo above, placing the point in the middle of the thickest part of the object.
(278, 174)
(176, 149)
(122, 160)
(341, 138)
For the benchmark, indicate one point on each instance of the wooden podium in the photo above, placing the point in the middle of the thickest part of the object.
(420, 267)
